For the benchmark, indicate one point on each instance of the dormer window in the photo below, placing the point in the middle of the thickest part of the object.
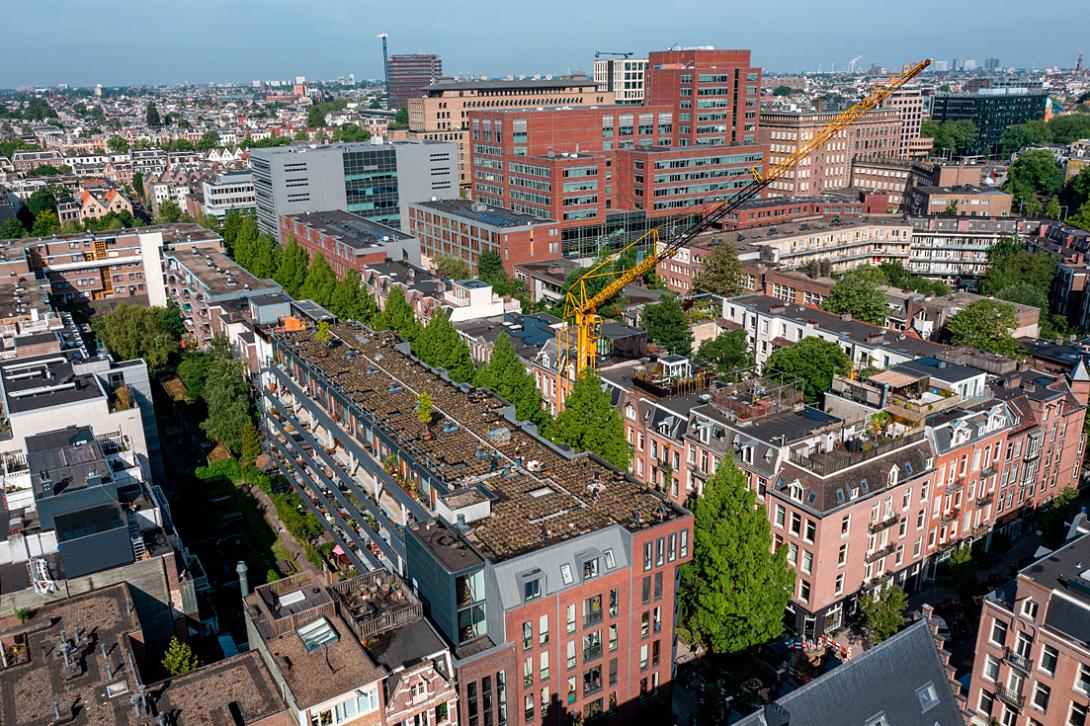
(630, 412)
(893, 472)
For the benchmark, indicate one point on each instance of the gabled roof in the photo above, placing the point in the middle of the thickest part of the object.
(902, 678)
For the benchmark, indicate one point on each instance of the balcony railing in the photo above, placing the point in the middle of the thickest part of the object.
(1017, 660)
(879, 554)
(883, 524)
(1011, 697)
(829, 462)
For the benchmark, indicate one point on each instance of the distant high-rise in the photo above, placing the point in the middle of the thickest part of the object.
(385, 63)
(991, 65)
(408, 74)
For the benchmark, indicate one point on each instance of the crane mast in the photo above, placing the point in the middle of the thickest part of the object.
(582, 325)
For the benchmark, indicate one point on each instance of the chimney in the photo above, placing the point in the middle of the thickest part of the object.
(243, 581)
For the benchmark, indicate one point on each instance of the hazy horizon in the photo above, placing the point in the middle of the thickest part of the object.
(242, 40)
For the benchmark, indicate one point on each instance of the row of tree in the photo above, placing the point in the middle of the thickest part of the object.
(1058, 130)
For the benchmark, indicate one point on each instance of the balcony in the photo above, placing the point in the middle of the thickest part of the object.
(1017, 660)
(985, 500)
(950, 516)
(882, 553)
(883, 524)
(856, 451)
(1011, 697)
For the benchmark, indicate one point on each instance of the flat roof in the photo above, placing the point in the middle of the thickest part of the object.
(34, 383)
(483, 213)
(520, 84)
(217, 272)
(353, 230)
(482, 449)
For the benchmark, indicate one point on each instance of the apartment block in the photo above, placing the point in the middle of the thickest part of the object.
(877, 134)
(375, 180)
(1031, 663)
(349, 241)
(463, 229)
(911, 104)
(892, 177)
(962, 201)
(441, 112)
(224, 192)
(550, 575)
(624, 77)
(713, 94)
(408, 74)
(779, 210)
(954, 248)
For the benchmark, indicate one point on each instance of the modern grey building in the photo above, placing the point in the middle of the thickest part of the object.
(992, 110)
(375, 180)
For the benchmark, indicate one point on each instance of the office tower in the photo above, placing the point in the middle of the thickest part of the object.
(408, 74)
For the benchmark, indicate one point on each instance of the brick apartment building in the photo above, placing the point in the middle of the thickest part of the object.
(551, 576)
(441, 112)
(349, 241)
(911, 104)
(463, 229)
(960, 455)
(877, 134)
(968, 201)
(1031, 663)
(953, 248)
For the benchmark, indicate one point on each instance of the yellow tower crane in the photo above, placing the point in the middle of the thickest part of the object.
(582, 325)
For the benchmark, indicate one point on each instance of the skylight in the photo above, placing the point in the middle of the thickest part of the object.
(317, 634)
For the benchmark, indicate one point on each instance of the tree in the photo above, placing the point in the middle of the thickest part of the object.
(401, 118)
(169, 212)
(192, 370)
(726, 353)
(151, 116)
(45, 224)
(590, 423)
(138, 183)
(722, 272)
(1033, 175)
(897, 276)
(209, 140)
(815, 361)
(952, 136)
(440, 346)
(1052, 209)
(735, 589)
(1077, 192)
(319, 282)
(859, 292)
(232, 223)
(1011, 264)
(490, 266)
(424, 408)
(169, 320)
(228, 398)
(506, 376)
(1081, 218)
(1024, 294)
(666, 324)
(291, 272)
(43, 200)
(396, 315)
(454, 268)
(986, 325)
(1057, 514)
(351, 132)
(11, 229)
(951, 209)
(323, 334)
(133, 331)
(883, 613)
(782, 91)
(179, 658)
(316, 116)
(251, 443)
(118, 145)
(1018, 136)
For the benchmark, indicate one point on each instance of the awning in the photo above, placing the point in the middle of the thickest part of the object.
(896, 379)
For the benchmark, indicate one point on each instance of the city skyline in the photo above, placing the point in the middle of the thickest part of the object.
(488, 42)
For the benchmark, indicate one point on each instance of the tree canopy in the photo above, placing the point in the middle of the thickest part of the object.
(957, 137)
(897, 276)
(735, 589)
(1011, 264)
(666, 324)
(291, 269)
(151, 116)
(227, 394)
(439, 345)
(722, 272)
(320, 282)
(590, 423)
(179, 658)
(883, 613)
(454, 268)
(859, 292)
(396, 315)
(1034, 176)
(134, 331)
(1059, 130)
(987, 325)
(815, 361)
(169, 212)
(726, 353)
(506, 376)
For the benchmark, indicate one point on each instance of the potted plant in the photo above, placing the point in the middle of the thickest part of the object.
(425, 413)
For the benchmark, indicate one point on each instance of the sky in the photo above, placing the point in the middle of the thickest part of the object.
(122, 42)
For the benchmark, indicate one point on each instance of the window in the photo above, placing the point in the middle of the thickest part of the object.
(1041, 695)
(1082, 679)
(590, 568)
(999, 632)
(565, 573)
(845, 525)
(807, 562)
(1077, 715)
(987, 700)
(529, 707)
(531, 589)
(991, 668)
(571, 618)
(838, 587)
(780, 513)
(804, 591)
(527, 635)
(811, 531)
(612, 638)
(543, 629)
(571, 655)
(796, 524)
(1029, 608)
(646, 589)
(658, 585)
(1049, 658)
(528, 672)
(647, 549)
(610, 561)
(842, 555)
(684, 543)
(928, 698)
(592, 610)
